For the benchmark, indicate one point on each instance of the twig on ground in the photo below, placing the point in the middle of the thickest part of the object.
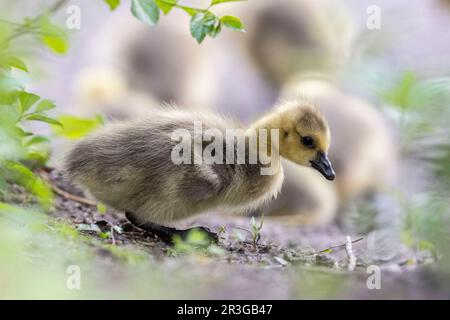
(337, 246)
(351, 255)
(66, 194)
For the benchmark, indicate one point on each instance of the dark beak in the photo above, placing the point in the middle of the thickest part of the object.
(323, 165)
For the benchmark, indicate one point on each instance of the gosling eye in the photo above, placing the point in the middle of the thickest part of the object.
(308, 142)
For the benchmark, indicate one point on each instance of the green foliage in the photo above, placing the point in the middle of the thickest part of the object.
(11, 146)
(113, 4)
(426, 224)
(26, 100)
(101, 208)
(399, 95)
(14, 62)
(20, 149)
(203, 22)
(30, 239)
(196, 242)
(146, 11)
(75, 127)
(166, 5)
(41, 28)
(54, 37)
(16, 172)
(43, 118)
(420, 107)
(409, 93)
(214, 2)
(232, 23)
(412, 95)
(16, 108)
(256, 229)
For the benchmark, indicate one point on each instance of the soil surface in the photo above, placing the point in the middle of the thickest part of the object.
(286, 262)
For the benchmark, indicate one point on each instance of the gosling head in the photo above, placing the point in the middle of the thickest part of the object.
(305, 137)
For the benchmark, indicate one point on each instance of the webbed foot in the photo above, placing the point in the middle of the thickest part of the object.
(167, 234)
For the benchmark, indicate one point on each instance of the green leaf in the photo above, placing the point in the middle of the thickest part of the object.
(113, 4)
(35, 140)
(76, 127)
(37, 155)
(190, 11)
(17, 63)
(27, 100)
(233, 23)
(202, 24)
(54, 37)
(9, 96)
(104, 235)
(217, 29)
(45, 105)
(166, 5)
(25, 133)
(399, 95)
(101, 208)
(146, 11)
(42, 118)
(17, 172)
(214, 2)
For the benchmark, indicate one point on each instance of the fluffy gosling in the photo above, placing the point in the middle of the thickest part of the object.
(129, 165)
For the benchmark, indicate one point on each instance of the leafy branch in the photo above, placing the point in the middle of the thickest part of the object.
(20, 149)
(54, 37)
(203, 21)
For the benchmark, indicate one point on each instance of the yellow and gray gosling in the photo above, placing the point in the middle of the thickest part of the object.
(363, 150)
(362, 153)
(128, 165)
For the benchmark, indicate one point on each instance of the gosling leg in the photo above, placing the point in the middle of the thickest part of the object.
(166, 234)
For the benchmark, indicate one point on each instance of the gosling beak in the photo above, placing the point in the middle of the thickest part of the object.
(323, 165)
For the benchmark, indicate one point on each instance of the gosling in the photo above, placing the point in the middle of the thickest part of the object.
(129, 165)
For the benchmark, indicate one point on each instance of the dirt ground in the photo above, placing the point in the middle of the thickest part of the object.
(287, 262)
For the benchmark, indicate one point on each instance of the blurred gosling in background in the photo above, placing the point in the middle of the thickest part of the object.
(135, 69)
(101, 89)
(288, 37)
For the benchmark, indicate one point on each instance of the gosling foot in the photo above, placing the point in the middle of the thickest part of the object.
(167, 234)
